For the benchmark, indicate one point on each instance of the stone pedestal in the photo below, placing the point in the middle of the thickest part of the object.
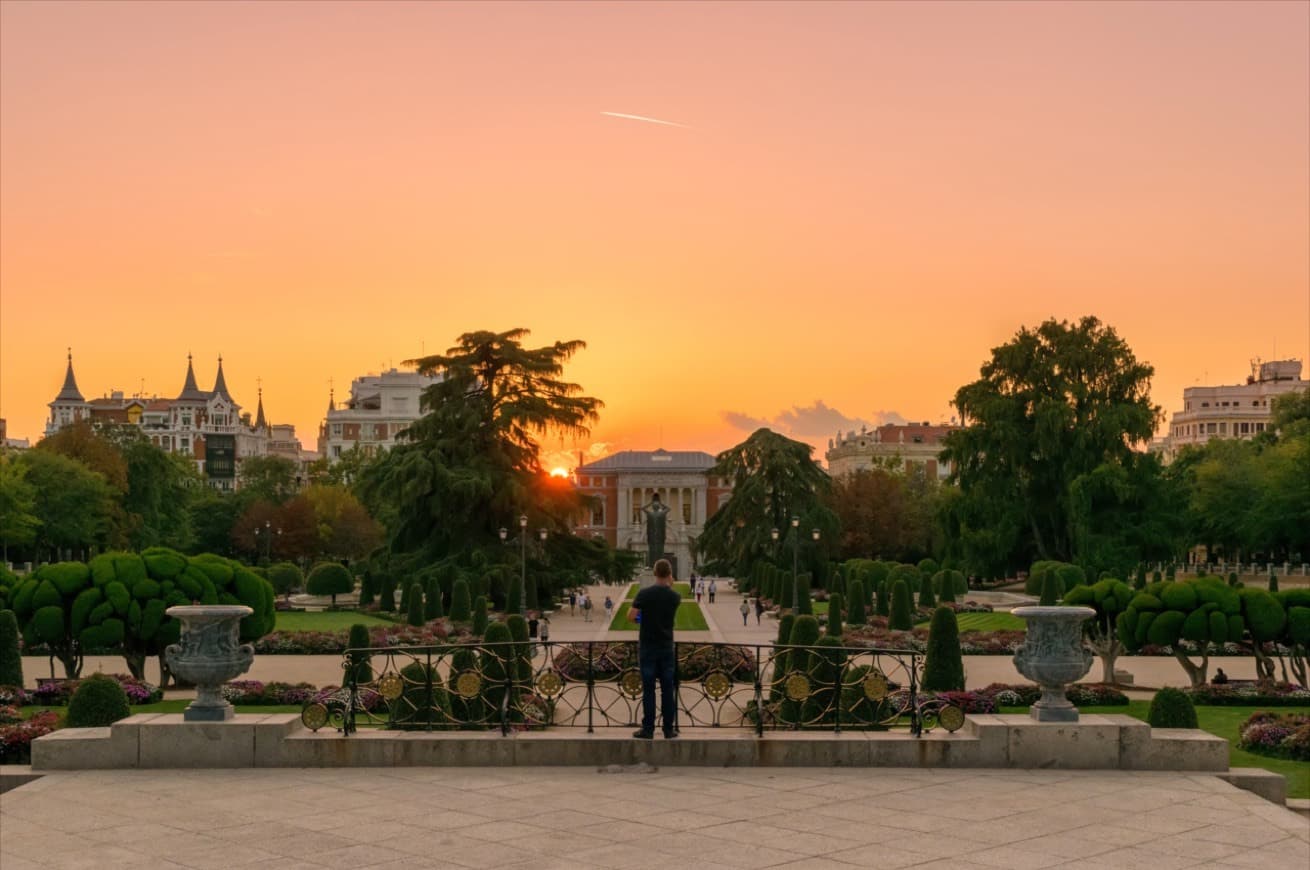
(1053, 656)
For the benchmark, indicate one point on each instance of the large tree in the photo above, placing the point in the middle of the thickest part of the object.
(773, 480)
(18, 520)
(73, 503)
(1052, 406)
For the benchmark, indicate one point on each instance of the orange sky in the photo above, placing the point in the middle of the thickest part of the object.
(863, 201)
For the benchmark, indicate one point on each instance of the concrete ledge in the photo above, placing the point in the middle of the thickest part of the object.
(14, 775)
(279, 740)
(1269, 785)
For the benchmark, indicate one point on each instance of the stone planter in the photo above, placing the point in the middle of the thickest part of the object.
(1053, 656)
(209, 654)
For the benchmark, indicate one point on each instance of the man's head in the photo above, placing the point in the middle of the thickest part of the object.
(663, 571)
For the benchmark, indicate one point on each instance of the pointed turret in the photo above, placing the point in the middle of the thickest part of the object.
(259, 413)
(70, 392)
(220, 383)
(190, 392)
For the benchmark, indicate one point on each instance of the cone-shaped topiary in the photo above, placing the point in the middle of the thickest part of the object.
(329, 578)
(360, 662)
(804, 633)
(803, 602)
(415, 615)
(1171, 708)
(900, 618)
(98, 702)
(479, 626)
(460, 609)
(834, 615)
(1052, 589)
(518, 630)
(387, 595)
(855, 610)
(432, 608)
(366, 592)
(532, 601)
(945, 586)
(882, 595)
(943, 668)
(497, 665)
(926, 596)
(11, 662)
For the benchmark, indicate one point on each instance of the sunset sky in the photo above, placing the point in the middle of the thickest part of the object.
(859, 202)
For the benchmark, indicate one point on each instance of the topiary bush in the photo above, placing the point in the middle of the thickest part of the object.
(945, 586)
(415, 615)
(460, 609)
(943, 668)
(366, 592)
(855, 610)
(479, 626)
(1052, 589)
(285, 578)
(900, 618)
(387, 595)
(11, 660)
(360, 662)
(329, 578)
(1171, 708)
(432, 608)
(926, 597)
(834, 626)
(1273, 582)
(98, 702)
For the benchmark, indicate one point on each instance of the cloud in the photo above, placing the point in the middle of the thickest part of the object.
(817, 420)
(627, 117)
(744, 421)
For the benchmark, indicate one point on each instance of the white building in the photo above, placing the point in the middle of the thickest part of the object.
(380, 407)
(912, 444)
(1231, 411)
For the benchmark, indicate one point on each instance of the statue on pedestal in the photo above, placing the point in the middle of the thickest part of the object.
(656, 516)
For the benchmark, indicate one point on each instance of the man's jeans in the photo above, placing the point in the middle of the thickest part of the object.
(657, 663)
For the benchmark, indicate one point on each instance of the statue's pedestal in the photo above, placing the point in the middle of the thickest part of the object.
(645, 578)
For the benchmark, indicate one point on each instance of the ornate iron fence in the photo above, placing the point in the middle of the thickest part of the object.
(595, 684)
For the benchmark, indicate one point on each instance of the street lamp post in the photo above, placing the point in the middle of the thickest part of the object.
(523, 564)
(795, 549)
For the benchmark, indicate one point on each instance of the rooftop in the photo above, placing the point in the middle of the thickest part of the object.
(650, 460)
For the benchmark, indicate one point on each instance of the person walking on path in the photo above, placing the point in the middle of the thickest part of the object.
(573, 601)
(653, 610)
(545, 628)
(745, 610)
(609, 609)
(585, 603)
(714, 587)
(759, 609)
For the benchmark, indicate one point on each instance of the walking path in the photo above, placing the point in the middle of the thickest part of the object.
(585, 819)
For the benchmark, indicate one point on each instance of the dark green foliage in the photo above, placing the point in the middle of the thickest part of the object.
(1273, 582)
(459, 601)
(834, 615)
(784, 592)
(882, 599)
(432, 608)
(926, 597)
(98, 702)
(286, 578)
(945, 585)
(824, 672)
(803, 602)
(387, 595)
(360, 662)
(424, 700)
(855, 612)
(804, 633)
(518, 631)
(908, 574)
(943, 669)
(479, 626)
(48, 624)
(1071, 576)
(329, 578)
(414, 615)
(533, 601)
(466, 711)
(514, 596)
(1052, 589)
(11, 662)
(1171, 708)
(404, 586)
(928, 567)
(1037, 574)
(785, 625)
(497, 657)
(901, 618)
(366, 594)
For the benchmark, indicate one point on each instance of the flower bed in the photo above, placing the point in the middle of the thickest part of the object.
(253, 693)
(1080, 694)
(16, 737)
(55, 693)
(978, 643)
(1247, 693)
(13, 696)
(1285, 735)
(610, 659)
(334, 642)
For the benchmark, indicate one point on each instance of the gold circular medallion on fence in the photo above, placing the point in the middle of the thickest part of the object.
(630, 683)
(314, 716)
(717, 685)
(549, 684)
(875, 686)
(798, 687)
(468, 684)
(391, 686)
(951, 718)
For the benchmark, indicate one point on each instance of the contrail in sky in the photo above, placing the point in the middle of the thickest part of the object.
(647, 120)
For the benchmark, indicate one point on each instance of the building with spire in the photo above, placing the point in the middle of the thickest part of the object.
(380, 407)
(205, 425)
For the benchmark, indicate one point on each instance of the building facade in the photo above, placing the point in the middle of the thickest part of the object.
(1231, 411)
(205, 425)
(380, 407)
(914, 444)
(623, 484)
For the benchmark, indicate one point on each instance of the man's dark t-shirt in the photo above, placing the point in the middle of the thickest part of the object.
(657, 604)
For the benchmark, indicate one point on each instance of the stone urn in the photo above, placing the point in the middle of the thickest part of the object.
(1053, 656)
(209, 653)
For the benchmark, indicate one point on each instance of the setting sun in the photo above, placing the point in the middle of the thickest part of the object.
(559, 472)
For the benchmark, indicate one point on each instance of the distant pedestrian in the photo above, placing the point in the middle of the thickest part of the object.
(586, 607)
(573, 602)
(1220, 678)
(545, 628)
(533, 622)
(714, 587)
(759, 610)
(609, 608)
(700, 590)
(745, 610)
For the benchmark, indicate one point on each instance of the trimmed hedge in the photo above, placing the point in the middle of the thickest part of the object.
(98, 702)
(1171, 708)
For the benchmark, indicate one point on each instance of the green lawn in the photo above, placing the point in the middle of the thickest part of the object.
(688, 618)
(1224, 722)
(683, 589)
(990, 622)
(326, 620)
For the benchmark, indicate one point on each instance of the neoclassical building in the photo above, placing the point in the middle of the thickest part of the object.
(914, 444)
(623, 484)
(206, 425)
(380, 407)
(1233, 410)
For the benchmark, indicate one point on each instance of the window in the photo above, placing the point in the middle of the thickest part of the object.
(1210, 428)
(1259, 427)
(184, 445)
(1223, 427)
(598, 515)
(1244, 429)
(686, 512)
(336, 451)
(336, 430)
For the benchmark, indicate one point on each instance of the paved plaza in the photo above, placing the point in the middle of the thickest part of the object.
(581, 819)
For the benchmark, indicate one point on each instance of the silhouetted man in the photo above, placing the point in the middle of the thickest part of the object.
(654, 609)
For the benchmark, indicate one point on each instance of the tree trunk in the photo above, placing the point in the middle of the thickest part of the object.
(136, 663)
(1196, 673)
(1300, 659)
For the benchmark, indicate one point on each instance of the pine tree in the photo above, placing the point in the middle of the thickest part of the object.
(900, 618)
(943, 669)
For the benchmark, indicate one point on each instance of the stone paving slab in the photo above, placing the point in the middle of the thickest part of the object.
(643, 817)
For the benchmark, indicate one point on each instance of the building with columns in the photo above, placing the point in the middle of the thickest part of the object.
(205, 425)
(1231, 411)
(623, 484)
(914, 444)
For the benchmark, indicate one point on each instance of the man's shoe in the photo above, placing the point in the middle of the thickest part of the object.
(669, 735)
(644, 735)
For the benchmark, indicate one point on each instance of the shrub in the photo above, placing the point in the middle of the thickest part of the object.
(366, 590)
(943, 668)
(387, 595)
(479, 616)
(361, 664)
(926, 597)
(329, 578)
(459, 601)
(11, 661)
(285, 577)
(423, 701)
(1273, 582)
(834, 615)
(945, 585)
(415, 616)
(900, 607)
(803, 603)
(1052, 589)
(804, 633)
(855, 610)
(432, 607)
(1171, 708)
(99, 701)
